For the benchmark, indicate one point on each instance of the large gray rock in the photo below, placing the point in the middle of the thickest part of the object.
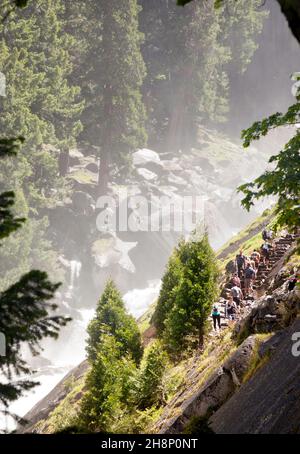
(144, 156)
(217, 389)
(270, 401)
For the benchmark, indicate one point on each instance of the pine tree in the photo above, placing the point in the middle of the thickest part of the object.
(25, 306)
(111, 319)
(107, 387)
(189, 54)
(42, 105)
(191, 298)
(165, 300)
(150, 377)
(114, 350)
(113, 75)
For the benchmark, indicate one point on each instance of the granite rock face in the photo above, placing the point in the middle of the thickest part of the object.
(221, 384)
(270, 401)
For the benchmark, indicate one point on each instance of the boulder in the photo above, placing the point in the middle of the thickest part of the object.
(82, 202)
(269, 403)
(146, 174)
(144, 156)
(75, 157)
(92, 167)
(217, 389)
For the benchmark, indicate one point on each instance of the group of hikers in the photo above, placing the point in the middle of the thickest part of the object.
(243, 277)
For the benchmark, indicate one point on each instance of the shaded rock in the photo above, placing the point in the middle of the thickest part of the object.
(218, 388)
(270, 401)
(240, 359)
(146, 174)
(75, 157)
(92, 167)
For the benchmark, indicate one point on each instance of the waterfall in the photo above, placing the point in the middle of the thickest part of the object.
(75, 268)
(75, 272)
(137, 301)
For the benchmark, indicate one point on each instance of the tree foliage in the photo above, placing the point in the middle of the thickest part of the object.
(149, 389)
(189, 54)
(111, 70)
(114, 351)
(282, 181)
(25, 309)
(111, 319)
(290, 9)
(108, 384)
(182, 310)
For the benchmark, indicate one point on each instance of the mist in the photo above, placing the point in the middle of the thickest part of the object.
(191, 107)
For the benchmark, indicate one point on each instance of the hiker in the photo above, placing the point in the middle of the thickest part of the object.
(265, 251)
(231, 310)
(241, 263)
(231, 267)
(235, 280)
(250, 274)
(255, 257)
(267, 235)
(237, 295)
(216, 316)
(264, 235)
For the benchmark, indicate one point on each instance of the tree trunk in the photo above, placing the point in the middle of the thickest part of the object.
(103, 175)
(63, 162)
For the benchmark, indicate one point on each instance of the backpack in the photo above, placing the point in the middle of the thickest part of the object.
(235, 292)
(240, 259)
(216, 310)
(249, 273)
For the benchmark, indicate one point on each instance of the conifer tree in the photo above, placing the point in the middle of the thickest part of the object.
(189, 54)
(150, 377)
(191, 298)
(114, 71)
(25, 307)
(107, 385)
(111, 319)
(42, 105)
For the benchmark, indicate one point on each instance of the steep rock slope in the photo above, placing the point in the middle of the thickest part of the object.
(270, 401)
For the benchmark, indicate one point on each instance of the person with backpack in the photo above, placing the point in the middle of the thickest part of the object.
(265, 251)
(216, 316)
(255, 256)
(235, 280)
(250, 274)
(241, 263)
(231, 310)
(264, 235)
(237, 295)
